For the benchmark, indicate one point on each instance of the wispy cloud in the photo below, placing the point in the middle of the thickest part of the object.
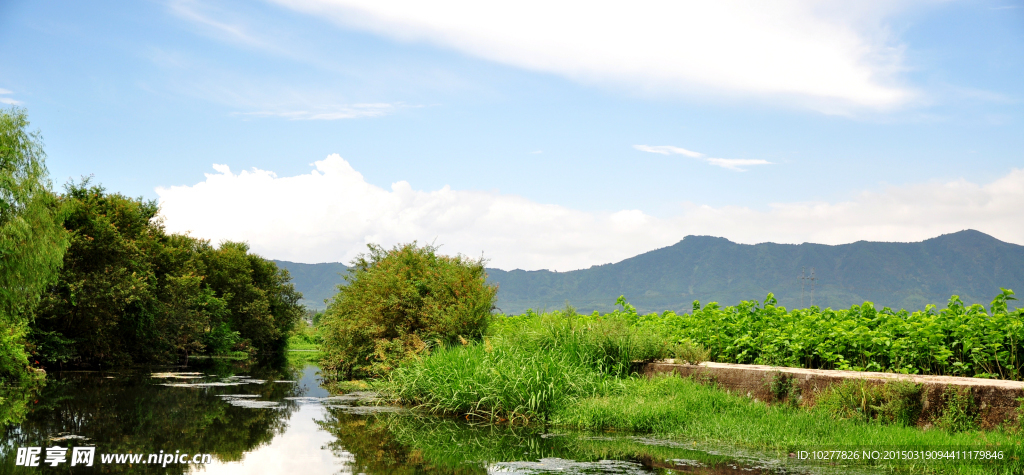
(668, 150)
(729, 163)
(331, 213)
(352, 111)
(736, 163)
(192, 11)
(830, 57)
(8, 100)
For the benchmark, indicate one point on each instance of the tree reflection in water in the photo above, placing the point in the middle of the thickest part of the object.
(132, 412)
(404, 443)
(136, 412)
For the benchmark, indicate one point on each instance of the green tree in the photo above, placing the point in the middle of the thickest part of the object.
(32, 241)
(131, 293)
(400, 302)
(263, 305)
(104, 307)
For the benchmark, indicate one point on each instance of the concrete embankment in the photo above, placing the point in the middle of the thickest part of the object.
(996, 400)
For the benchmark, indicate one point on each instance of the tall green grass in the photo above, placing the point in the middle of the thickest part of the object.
(895, 402)
(530, 366)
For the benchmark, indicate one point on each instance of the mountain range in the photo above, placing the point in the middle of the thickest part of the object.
(968, 263)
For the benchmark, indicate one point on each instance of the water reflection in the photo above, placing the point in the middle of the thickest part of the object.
(134, 412)
(407, 443)
(279, 420)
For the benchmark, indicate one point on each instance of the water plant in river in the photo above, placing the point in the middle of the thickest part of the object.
(408, 443)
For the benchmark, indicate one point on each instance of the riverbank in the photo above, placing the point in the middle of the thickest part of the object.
(995, 402)
(577, 372)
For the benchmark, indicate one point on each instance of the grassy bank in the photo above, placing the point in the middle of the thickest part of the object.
(576, 371)
(304, 345)
(681, 407)
(531, 366)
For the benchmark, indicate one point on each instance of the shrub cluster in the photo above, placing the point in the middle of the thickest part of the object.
(398, 304)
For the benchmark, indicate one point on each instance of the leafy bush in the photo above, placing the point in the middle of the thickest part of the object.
(400, 302)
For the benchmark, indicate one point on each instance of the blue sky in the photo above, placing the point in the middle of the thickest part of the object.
(541, 134)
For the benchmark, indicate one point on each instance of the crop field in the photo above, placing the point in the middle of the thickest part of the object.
(958, 340)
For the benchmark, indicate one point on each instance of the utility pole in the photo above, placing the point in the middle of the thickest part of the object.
(802, 281)
(803, 284)
(812, 286)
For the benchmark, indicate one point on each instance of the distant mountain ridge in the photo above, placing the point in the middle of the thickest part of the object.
(968, 263)
(317, 282)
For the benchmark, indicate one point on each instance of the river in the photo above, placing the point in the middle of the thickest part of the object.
(219, 417)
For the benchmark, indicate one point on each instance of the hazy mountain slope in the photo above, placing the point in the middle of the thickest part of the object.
(316, 281)
(905, 275)
(899, 275)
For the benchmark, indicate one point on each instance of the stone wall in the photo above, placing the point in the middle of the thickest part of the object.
(995, 399)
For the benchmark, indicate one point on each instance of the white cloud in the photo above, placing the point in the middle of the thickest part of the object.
(8, 100)
(827, 56)
(330, 214)
(353, 111)
(668, 150)
(729, 163)
(736, 163)
(303, 440)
